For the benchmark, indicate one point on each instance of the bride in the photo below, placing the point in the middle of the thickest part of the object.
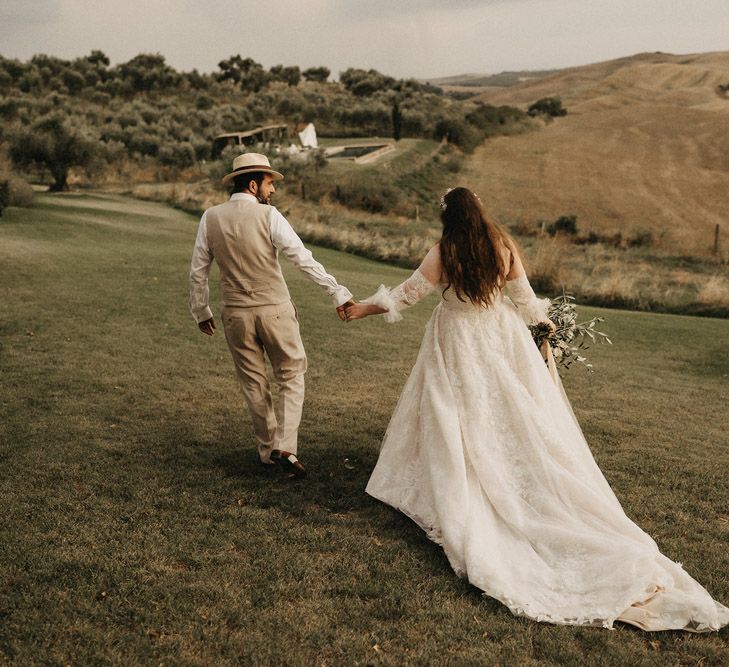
(484, 453)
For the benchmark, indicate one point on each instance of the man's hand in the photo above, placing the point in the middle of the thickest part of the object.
(207, 326)
(341, 310)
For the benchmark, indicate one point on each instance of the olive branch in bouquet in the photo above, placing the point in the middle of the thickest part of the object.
(570, 337)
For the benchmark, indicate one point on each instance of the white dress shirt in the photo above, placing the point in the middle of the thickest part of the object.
(283, 237)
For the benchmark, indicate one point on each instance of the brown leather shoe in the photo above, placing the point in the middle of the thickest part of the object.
(289, 460)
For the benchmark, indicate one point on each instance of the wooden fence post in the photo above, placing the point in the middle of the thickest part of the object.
(716, 239)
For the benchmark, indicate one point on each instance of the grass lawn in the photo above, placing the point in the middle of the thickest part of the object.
(138, 528)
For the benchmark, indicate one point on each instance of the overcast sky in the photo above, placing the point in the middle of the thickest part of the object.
(404, 38)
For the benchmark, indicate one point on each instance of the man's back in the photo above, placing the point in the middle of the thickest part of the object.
(239, 236)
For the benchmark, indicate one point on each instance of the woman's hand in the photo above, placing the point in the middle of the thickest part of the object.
(359, 311)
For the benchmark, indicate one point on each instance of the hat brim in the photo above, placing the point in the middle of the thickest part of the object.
(277, 176)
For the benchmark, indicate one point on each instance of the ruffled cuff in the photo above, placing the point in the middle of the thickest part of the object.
(537, 310)
(383, 299)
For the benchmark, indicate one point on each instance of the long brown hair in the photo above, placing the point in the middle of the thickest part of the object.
(472, 248)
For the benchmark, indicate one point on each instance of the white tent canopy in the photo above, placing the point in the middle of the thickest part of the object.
(307, 136)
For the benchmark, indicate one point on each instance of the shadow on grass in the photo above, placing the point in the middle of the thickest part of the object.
(330, 490)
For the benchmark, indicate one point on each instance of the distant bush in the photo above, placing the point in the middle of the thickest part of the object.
(616, 239)
(9, 108)
(73, 81)
(4, 196)
(204, 102)
(457, 132)
(565, 224)
(547, 106)
(100, 97)
(181, 155)
(644, 238)
(490, 119)
(367, 193)
(290, 75)
(245, 72)
(52, 144)
(148, 71)
(21, 194)
(454, 163)
(320, 74)
(365, 83)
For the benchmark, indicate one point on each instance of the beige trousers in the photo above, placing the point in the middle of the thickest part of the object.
(272, 331)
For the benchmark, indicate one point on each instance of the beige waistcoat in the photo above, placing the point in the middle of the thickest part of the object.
(239, 235)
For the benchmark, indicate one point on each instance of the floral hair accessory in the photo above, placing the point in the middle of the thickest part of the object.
(442, 201)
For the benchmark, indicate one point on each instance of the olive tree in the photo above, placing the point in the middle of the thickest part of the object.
(51, 144)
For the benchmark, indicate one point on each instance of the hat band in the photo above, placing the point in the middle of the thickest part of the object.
(255, 167)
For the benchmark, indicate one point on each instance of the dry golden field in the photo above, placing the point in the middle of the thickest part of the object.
(645, 146)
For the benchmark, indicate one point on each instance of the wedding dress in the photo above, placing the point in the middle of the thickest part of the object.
(484, 453)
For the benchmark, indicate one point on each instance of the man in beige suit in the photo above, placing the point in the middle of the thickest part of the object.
(244, 235)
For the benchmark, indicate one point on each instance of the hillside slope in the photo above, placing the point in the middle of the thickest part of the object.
(645, 146)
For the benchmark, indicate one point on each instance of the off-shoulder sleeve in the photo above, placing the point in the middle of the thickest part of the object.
(406, 294)
(531, 309)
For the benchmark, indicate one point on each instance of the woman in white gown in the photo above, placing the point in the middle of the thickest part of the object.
(484, 453)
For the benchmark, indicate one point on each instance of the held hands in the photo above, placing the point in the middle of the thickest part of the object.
(207, 326)
(342, 310)
(358, 311)
(355, 311)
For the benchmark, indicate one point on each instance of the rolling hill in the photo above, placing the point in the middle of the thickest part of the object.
(645, 146)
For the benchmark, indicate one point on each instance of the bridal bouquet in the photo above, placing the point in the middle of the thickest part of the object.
(570, 337)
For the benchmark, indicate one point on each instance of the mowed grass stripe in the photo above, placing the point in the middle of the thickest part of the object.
(138, 527)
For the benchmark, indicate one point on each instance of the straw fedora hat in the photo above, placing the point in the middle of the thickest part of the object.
(249, 163)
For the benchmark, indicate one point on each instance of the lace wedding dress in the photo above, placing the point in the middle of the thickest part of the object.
(484, 453)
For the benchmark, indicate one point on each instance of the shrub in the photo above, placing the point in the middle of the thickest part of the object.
(179, 155)
(21, 194)
(644, 238)
(365, 83)
(100, 97)
(320, 74)
(368, 193)
(4, 196)
(203, 102)
(148, 71)
(565, 224)
(457, 132)
(52, 144)
(246, 72)
(202, 150)
(454, 162)
(491, 119)
(143, 143)
(73, 81)
(547, 106)
(9, 108)
(290, 75)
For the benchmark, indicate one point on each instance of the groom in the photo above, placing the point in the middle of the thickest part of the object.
(244, 235)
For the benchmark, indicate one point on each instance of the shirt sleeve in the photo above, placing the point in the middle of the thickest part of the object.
(202, 259)
(287, 241)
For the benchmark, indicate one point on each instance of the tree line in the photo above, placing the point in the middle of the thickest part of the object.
(60, 113)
